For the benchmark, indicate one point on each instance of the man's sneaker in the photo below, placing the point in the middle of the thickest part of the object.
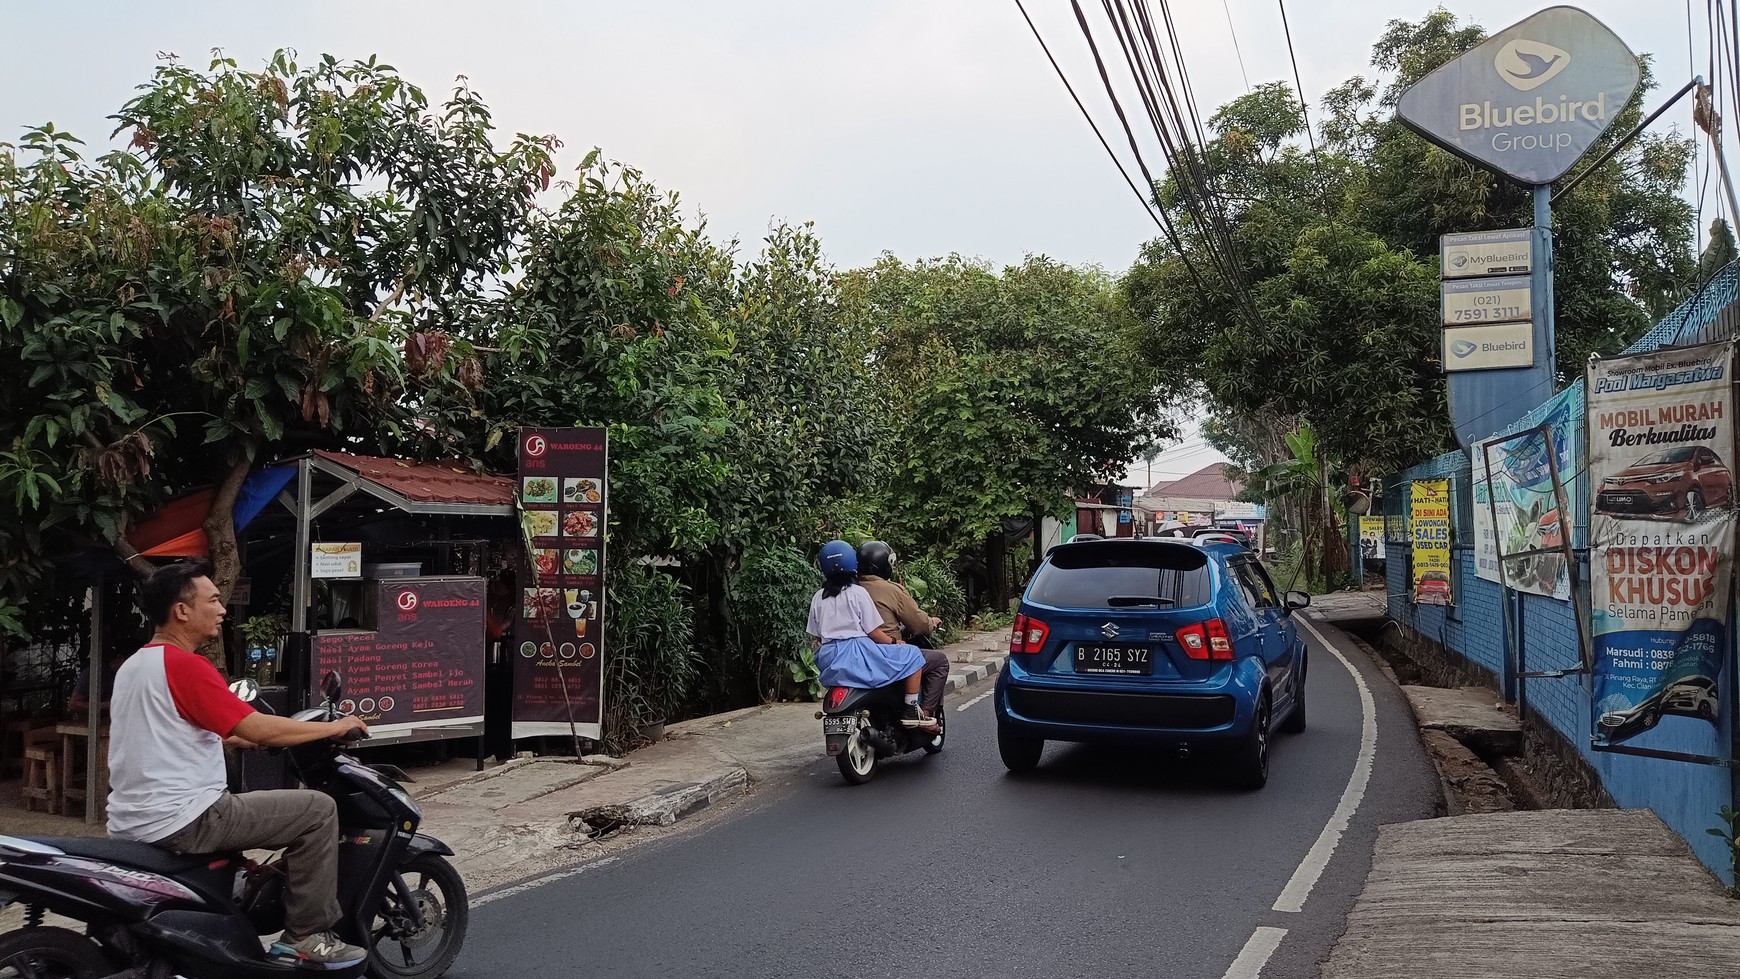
(321, 950)
(915, 716)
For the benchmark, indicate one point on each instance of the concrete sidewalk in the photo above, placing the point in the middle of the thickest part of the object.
(1572, 893)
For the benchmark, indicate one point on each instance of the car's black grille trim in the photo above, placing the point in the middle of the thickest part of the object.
(1184, 711)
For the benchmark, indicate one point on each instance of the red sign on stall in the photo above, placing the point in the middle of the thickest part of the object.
(558, 645)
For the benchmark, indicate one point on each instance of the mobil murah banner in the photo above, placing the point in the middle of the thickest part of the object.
(1519, 531)
(1661, 437)
(1429, 519)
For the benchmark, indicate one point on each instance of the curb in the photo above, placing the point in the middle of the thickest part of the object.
(962, 679)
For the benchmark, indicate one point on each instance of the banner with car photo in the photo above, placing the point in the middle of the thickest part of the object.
(1429, 503)
(1661, 435)
(1519, 530)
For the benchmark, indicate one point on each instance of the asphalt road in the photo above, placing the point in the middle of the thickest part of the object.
(1101, 863)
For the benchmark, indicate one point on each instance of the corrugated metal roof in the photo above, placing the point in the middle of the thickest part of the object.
(442, 481)
(1207, 483)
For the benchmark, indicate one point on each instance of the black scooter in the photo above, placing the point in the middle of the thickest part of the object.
(153, 914)
(861, 727)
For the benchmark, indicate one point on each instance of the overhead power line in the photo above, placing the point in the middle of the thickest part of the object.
(1240, 52)
(1299, 84)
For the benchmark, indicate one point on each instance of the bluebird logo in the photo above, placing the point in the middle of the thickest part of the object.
(1462, 348)
(1528, 65)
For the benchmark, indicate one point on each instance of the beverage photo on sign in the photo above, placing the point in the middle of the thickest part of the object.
(1661, 537)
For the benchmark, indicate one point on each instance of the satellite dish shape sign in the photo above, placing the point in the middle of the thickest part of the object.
(1530, 100)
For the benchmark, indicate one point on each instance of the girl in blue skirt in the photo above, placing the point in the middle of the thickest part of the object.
(854, 650)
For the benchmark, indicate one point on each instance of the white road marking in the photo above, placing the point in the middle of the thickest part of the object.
(493, 896)
(975, 700)
(1255, 954)
(1311, 868)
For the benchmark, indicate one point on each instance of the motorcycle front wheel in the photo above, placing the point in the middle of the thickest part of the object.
(51, 953)
(400, 950)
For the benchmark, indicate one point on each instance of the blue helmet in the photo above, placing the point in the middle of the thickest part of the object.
(838, 557)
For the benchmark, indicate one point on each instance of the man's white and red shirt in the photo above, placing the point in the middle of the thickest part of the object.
(169, 715)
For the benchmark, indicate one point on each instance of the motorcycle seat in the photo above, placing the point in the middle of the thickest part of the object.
(137, 856)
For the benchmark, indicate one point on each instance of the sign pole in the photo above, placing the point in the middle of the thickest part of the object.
(1541, 279)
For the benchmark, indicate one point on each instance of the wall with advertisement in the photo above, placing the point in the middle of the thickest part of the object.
(558, 675)
(1371, 538)
(1661, 536)
(1518, 527)
(1544, 632)
(1429, 517)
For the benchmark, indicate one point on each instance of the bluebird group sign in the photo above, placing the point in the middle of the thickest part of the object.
(1529, 101)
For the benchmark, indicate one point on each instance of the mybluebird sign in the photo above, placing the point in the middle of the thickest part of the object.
(1529, 101)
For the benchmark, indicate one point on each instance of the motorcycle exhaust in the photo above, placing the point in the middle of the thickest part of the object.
(878, 740)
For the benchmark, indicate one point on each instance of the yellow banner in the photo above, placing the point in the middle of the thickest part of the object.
(1430, 510)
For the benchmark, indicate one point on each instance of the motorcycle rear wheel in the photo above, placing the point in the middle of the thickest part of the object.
(857, 760)
(397, 951)
(52, 953)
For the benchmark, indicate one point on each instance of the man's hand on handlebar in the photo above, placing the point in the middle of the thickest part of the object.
(348, 728)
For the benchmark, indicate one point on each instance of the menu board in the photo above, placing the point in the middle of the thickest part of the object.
(422, 667)
(558, 641)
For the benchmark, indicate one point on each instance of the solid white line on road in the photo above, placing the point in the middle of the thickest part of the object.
(975, 700)
(493, 896)
(1255, 954)
(1311, 868)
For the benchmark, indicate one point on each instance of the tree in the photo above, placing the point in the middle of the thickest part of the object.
(237, 284)
(1009, 392)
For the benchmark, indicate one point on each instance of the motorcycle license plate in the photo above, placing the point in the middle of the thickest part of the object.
(844, 724)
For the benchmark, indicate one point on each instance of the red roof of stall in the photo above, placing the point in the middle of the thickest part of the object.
(443, 481)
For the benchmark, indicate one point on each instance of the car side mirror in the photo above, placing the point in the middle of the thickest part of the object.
(246, 690)
(1297, 600)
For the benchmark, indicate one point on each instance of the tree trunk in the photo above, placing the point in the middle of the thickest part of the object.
(220, 535)
(997, 563)
(129, 554)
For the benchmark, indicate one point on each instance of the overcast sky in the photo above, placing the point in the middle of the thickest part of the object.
(921, 127)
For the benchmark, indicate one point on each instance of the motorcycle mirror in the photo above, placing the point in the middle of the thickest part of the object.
(246, 689)
(331, 687)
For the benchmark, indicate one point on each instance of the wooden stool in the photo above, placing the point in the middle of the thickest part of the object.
(42, 778)
(74, 736)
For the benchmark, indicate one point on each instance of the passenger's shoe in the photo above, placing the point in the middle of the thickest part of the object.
(915, 716)
(321, 950)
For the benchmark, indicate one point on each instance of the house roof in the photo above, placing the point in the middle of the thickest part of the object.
(1207, 483)
(443, 481)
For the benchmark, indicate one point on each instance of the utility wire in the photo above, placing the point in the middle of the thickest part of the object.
(1303, 109)
(1241, 55)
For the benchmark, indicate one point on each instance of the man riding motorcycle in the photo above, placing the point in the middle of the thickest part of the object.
(876, 562)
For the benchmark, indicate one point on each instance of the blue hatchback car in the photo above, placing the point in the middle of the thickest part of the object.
(1180, 645)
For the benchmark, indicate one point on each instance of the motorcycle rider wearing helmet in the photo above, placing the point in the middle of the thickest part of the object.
(171, 716)
(853, 650)
(876, 562)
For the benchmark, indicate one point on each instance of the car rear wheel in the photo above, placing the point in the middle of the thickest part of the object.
(1250, 768)
(1694, 503)
(1020, 752)
(1295, 722)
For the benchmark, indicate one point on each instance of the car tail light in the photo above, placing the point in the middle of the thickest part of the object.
(1206, 640)
(836, 697)
(1028, 635)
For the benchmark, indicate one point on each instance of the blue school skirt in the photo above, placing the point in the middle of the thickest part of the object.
(864, 663)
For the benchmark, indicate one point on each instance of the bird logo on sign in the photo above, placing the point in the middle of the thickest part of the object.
(1463, 348)
(1527, 65)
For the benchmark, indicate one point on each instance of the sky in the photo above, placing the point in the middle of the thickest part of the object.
(919, 127)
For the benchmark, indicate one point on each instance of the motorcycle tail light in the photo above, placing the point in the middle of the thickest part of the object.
(836, 697)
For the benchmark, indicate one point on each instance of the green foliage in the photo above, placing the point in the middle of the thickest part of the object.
(769, 601)
(1730, 834)
(936, 589)
(653, 667)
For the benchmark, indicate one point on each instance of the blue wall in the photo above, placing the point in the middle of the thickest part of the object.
(1686, 796)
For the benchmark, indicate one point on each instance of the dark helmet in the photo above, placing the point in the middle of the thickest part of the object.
(877, 558)
(837, 557)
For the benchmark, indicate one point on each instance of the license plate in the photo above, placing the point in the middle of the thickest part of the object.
(844, 724)
(1121, 660)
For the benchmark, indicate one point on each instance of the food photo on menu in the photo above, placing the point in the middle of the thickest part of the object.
(580, 523)
(541, 603)
(539, 523)
(546, 561)
(580, 561)
(580, 489)
(538, 489)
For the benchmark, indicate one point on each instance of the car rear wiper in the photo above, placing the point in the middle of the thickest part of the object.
(1138, 601)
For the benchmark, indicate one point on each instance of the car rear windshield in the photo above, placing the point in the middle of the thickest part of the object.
(1116, 573)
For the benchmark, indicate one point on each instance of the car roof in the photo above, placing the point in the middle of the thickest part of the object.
(1221, 548)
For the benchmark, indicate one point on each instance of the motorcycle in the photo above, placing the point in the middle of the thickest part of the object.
(153, 914)
(861, 727)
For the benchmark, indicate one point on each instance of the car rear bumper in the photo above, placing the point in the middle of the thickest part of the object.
(1071, 709)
